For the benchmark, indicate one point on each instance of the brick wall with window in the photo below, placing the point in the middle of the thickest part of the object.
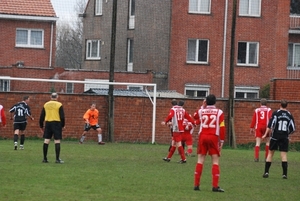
(33, 55)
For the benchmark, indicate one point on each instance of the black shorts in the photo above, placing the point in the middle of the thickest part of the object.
(280, 144)
(20, 126)
(87, 127)
(53, 129)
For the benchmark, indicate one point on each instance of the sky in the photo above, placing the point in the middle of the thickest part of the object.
(64, 9)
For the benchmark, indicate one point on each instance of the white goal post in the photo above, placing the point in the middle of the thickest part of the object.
(152, 99)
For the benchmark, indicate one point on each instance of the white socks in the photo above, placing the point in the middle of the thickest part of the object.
(99, 137)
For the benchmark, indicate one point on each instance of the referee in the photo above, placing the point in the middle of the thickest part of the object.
(53, 116)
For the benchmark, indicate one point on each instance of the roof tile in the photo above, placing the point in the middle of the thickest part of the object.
(27, 7)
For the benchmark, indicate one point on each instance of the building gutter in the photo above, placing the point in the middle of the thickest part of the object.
(51, 46)
(27, 17)
(224, 48)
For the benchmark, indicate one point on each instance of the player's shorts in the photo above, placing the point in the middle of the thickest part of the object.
(280, 144)
(260, 131)
(177, 136)
(87, 127)
(20, 126)
(208, 144)
(187, 138)
(54, 129)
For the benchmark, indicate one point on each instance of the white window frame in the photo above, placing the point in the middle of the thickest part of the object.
(247, 90)
(294, 56)
(5, 84)
(29, 38)
(130, 54)
(248, 54)
(131, 14)
(195, 52)
(200, 6)
(89, 49)
(196, 88)
(88, 86)
(248, 9)
(135, 87)
(69, 88)
(98, 7)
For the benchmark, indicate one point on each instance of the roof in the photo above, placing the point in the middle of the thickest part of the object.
(27, 7)
(137, 93)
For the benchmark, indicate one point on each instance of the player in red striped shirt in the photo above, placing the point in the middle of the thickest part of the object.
(176, 116)
(260, 119)
(210, 141)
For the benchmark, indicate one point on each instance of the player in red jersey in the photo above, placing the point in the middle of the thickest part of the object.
(210, 141)
(260, 119)
(176, 116)
(2, 117)
(187, 136)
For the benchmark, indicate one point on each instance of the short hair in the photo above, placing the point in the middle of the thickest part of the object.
(25, 98)
(211, 99)
(54, 95)
(283, 103)
(174, 102)
(181, 103)
(263, 101)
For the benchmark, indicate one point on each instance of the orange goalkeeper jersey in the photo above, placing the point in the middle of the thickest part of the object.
(91, 116)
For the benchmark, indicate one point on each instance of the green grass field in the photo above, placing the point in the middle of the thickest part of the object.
(123, 171)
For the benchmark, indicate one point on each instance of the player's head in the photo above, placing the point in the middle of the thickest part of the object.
(174, 102)
(263, 101)
(283, 103)
(26, 98)
(54, 96)
(211, 99)
(181, 103)
(93, 106)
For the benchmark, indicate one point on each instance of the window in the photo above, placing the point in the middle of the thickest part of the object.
(4, 85)
(131, 14)
(294, 55)
(92, 85)
(295, 7)
(93, 49)
(135, 88)
(248, 53)
(250, 8)
(199, 6)
(69, 88)
(196, 90)
(129, 55)
(98, 7)
(197, 51)
(33, 38)
(247, 92)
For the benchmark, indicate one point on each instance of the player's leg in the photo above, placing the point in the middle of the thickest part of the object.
(57, 129)
(178, 139)
(22, 135)
(171, 152)
(214, 152)
(99, 131)
(273, 147)
(16, 135)
(257, 145)
(198, 169)
(283, 148)
(267, 147)
(87, 127)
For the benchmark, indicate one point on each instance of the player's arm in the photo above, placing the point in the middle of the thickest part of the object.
(268, 130)
(168, 118)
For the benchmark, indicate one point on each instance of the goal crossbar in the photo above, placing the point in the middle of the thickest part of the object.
(153, 100)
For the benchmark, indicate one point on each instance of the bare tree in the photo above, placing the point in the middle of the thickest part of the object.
(69, 40)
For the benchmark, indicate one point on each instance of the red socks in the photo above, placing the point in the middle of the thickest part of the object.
(181, 152)
(215, 175)
(197, 174)
(171, 152)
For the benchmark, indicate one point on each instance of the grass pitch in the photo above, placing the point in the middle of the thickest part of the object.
(121, 171)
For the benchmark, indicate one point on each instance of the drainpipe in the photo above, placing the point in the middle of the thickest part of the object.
(224, 48)
(51, 41)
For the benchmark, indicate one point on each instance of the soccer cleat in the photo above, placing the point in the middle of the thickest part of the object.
(284, 177)
(16, 145)
(196, 188)
(256, 160)
(266, 175)
(101, 143)
(59, 161)
(45, 161)
(21, 147)
(218, 189)
(167, 159)
(80, 142)
(182, 161)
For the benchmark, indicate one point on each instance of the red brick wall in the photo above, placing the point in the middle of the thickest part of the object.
(285, 89)
(38, 57)
(132, 116)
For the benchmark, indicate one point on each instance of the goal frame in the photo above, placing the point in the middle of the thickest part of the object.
(152, 99)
